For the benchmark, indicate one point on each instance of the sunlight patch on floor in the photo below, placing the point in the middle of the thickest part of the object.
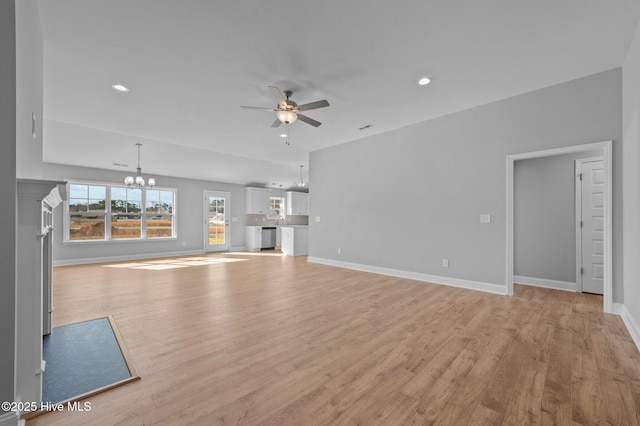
(182, 262)
(258, 253)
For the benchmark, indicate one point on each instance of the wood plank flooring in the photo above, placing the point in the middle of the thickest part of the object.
(271, 340)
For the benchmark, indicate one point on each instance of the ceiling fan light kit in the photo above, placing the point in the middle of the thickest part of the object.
(287, 111)
(287, 116)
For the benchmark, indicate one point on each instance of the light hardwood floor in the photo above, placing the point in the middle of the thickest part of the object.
(274, 340)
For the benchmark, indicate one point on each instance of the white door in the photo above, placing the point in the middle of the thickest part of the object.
(216, 221)
(591, 225)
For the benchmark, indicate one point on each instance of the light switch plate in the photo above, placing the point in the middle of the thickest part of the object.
(485, 218)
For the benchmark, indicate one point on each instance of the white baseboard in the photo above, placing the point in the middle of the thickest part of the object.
(617, 308)
(10, 418)
(632, 325)
(126, 257)
(435, 279)
(241, 248)
(541, 282)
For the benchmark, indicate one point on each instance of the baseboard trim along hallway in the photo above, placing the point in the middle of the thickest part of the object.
(435, 279)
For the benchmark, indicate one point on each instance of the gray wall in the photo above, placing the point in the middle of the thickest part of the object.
(189, 217)
(631, 146)
(544, 217)
(8, 195)
(408, 198)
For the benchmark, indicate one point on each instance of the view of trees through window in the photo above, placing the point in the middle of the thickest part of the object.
(87, 208)
(131, 213)
(159, 210)
(126, 213)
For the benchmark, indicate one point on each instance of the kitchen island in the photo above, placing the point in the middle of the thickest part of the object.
(295, 240)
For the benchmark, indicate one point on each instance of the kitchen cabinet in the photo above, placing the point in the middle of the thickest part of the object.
(253, 238)
(297, 203)
(295, 240)
(257, 200)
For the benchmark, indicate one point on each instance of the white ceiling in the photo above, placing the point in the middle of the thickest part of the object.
(190, 64)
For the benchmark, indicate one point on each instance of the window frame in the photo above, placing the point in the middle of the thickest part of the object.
(109, 213)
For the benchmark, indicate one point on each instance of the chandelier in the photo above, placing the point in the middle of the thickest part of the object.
(138, 181)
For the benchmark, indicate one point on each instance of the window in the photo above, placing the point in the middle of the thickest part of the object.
(159, 211)
(113, 212)
(276, 208)
(87, 212)
(126, 213)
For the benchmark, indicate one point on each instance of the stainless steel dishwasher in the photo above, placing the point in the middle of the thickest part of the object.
(268, 237)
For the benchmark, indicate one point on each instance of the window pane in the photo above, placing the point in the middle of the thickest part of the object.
(159, 225)
(97, 192)
(159, 201)
(97, 205)
(166, 196)
(77, 205)
(126, 225)
(153, 195)
(134, 194)
(86, 227)
(78, 191)
(118, 193)
(124, 200)
(275, 208)
(87, 212)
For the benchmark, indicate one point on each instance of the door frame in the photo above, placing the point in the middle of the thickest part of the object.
(606, 148)
(578, 212)
(205, 217)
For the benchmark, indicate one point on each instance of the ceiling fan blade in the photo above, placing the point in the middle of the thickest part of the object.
(255, 107)
(276, 123)
(278, 96)
(308, 120)
(313, 105)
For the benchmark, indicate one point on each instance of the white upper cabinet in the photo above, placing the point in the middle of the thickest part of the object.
(257, 200)
(297, 203)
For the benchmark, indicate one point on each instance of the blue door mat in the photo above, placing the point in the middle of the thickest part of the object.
(83, 359)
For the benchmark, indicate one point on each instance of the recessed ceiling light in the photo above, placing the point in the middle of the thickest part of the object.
(424, 81)
(283, 135)
(120, 88)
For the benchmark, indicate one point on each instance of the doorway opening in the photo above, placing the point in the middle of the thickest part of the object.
(605, 148)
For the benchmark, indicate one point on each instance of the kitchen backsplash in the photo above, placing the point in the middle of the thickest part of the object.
(261, 220)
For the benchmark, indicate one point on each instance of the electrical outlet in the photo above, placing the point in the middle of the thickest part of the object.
(485, 218)
(445, 263)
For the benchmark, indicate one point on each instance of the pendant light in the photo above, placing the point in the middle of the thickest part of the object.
(138, 181)
(301, 183)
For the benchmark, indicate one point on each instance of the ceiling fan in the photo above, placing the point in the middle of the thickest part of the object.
(289, 111)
